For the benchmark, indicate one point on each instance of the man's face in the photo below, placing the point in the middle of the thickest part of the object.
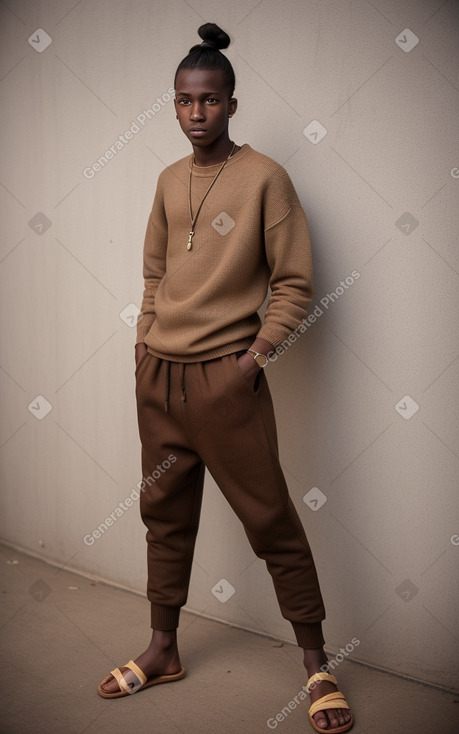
(202, 105)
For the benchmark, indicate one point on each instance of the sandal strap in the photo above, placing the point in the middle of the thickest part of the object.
(129, 686)
(138, 672)
(320, 676)
(330, 701)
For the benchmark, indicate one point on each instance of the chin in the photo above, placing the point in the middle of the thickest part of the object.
(200, 142)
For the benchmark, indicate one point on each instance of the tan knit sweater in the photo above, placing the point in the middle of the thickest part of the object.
(251, 234)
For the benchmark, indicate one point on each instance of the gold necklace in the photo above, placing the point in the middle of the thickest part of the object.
(194, 219)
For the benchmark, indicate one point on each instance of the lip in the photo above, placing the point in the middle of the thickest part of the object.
(197, 131)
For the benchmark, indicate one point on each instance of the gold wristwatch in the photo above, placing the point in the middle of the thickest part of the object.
(261, 359)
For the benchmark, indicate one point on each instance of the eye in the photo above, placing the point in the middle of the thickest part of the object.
(184, 101)
(211, 100)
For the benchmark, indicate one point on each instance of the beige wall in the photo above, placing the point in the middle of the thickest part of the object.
(386, 538)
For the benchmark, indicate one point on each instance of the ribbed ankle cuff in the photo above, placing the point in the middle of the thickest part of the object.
(164, 618)
(308, 636)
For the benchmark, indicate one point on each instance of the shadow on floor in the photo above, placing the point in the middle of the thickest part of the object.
(61, 633)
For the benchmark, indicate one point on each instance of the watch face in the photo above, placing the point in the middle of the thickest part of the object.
(261, 360)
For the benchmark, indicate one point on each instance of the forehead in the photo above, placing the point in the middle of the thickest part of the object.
(195, 81)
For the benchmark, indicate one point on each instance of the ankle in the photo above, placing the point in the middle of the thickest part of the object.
(165, 640)
(315, 661)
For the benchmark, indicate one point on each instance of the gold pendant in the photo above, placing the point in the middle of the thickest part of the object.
(190, 244)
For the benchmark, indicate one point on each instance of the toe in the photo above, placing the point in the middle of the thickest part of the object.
(344, 716)
(338, 717)
(321, 720)
(109, 685)
(333, 718)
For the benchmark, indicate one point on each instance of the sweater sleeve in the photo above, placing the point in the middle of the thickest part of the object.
(154, 262)
(288, 253)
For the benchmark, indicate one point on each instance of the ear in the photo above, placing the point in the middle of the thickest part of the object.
(232, 106)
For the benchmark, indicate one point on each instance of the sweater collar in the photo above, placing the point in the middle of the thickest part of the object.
(210, 171)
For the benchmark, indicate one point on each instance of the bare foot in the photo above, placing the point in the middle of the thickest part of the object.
(160, 658)
(329, 718)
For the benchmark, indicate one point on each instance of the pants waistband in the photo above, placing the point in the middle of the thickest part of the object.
(167, 385)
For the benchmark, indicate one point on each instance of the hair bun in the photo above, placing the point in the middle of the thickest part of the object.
(214, 36)
(207, 55)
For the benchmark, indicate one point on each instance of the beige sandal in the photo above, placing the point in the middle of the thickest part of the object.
(134, 680)
(330, 701)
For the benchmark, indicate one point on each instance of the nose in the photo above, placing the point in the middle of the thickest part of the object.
(196, 112)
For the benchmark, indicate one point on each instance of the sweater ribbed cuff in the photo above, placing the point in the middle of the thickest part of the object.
(143, 326)
(164, 618)
(141, 334)
(308, 636)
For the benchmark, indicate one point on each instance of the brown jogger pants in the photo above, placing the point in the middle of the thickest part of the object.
(206, 414)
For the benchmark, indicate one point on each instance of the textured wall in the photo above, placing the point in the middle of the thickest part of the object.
(359, 101)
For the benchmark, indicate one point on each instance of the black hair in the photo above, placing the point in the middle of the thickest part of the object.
(207, 55)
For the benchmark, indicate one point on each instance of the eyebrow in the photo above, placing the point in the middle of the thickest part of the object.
(203, 94)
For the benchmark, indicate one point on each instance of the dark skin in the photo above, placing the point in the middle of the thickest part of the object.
(203, 107)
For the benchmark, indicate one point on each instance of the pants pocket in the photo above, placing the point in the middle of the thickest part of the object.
(140, 362)
(255, 388)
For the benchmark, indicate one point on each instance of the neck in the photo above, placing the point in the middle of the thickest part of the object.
(212, 154)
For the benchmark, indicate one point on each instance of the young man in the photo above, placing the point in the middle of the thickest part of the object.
(226, 223)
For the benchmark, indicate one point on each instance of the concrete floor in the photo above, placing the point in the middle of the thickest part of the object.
(62, 633)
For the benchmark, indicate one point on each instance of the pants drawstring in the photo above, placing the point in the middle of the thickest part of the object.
(167, 386)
